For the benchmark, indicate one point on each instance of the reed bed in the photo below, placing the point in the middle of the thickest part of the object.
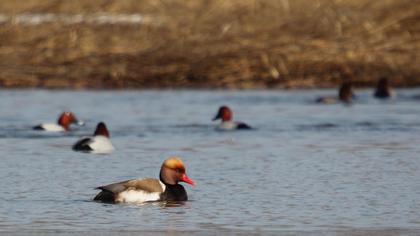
(238, 44)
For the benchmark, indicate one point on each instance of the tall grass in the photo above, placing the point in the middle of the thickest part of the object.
(214, 43)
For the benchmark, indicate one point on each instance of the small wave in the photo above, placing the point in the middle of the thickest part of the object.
(321, 126)
(192, 126)
(364, 125)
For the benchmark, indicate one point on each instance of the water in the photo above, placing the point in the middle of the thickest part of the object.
(305, 169)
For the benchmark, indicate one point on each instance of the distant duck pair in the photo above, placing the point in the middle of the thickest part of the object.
(98, 143)
(346, 94)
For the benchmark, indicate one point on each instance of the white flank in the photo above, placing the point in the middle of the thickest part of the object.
(227, 125)
(101, 145)
(52, 127)
(137, 196)
(140, 196)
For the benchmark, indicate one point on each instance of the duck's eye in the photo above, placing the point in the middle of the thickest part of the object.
(177, 170)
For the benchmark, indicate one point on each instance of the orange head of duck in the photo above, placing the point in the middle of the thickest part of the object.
(173, 171)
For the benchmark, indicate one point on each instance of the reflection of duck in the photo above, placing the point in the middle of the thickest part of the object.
(167, 188)
(383, 89)
(98, 143)
(345, 94)
(63, 124)
(225, 114)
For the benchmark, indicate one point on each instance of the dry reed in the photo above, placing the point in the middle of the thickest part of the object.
(213, 44)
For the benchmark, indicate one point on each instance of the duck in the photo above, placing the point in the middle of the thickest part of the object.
(383, 89)
(63, 123)
(166, 188)
(98, 143)
(345, 95)
(225, 114)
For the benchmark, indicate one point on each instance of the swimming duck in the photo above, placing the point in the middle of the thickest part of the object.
(225, 114)
(63, 124)
(383, 89)
(98, 143)
(166, 188)
(345, 94)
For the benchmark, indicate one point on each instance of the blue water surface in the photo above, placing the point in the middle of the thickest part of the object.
(306, 168)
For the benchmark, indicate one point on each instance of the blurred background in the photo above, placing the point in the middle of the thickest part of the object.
(244, 44)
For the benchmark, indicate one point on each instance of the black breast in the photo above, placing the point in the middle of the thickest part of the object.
(174, 193)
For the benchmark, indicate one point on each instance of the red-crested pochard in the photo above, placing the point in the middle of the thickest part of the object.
(166, 188)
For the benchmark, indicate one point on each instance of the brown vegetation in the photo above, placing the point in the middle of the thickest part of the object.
(213, 44)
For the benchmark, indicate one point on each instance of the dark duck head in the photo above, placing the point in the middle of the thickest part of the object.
(383, 89)
(101, 130)
(345, 93)
(224, 113)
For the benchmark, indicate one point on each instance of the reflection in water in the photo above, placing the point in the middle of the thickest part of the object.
(165, 204)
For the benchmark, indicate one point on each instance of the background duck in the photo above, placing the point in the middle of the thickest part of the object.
(345, 95)
(98, 143)
(225, 114)
(63, 123)
(383, 89)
